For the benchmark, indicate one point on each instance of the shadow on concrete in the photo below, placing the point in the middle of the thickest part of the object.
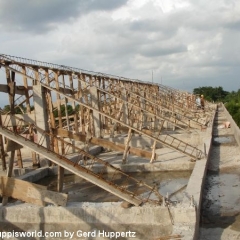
(212, 214)
(142, 232)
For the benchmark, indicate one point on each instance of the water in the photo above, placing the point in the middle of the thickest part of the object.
(80, 190)
(223, 139)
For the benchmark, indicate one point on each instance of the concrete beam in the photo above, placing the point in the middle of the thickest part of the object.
(41, 112)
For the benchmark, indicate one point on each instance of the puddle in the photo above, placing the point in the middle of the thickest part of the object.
(220, 205)
(223, 139)
(80, 190)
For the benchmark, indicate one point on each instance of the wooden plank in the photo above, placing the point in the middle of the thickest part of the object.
(59, 107)
(126, 150)
(74, 108)
(9, 174)
(2, 152)
(60, 123)
(30, 192)
(153, 152)
(19, 158)
(52, 123)
(60, 178)
(26, 89)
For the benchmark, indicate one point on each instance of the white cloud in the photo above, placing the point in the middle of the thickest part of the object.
(185, 43)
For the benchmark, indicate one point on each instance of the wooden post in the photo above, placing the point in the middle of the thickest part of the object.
(65, 105)
(2, 153)
(60, 178)
(19, 158)
(12, 86)
(125, 106)
(11, 94)
(81, 108)
(51, 122)
(60, 169)
(153, 158)
(127, 146)
(74, 107)
(34, 157)
(96, 116)
(9, 174)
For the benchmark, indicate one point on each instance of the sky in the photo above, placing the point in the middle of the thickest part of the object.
(179, 43)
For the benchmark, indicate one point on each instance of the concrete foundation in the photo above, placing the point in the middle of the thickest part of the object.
(156, 221)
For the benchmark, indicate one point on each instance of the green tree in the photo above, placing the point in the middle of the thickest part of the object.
(216, 94)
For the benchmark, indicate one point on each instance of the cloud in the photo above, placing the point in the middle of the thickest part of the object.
(186, 44)
(161, 49)
(43, 16)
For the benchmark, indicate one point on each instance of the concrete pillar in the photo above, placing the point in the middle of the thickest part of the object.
(96, 116)
(41, 113)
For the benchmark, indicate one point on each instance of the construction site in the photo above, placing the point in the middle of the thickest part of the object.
(83, 151)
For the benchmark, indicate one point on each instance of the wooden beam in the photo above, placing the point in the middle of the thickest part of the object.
(126, 150)
(30, 192)
(60, 179)
(60, 123)
(153, 157)
(9, 174)
(2, 153)
(26, 89)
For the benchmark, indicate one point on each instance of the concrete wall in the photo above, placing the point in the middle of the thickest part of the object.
(148, 222)
(234, 126)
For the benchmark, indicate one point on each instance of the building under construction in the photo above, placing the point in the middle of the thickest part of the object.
(104, 129)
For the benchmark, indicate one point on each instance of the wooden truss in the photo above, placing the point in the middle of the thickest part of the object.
(102, 106)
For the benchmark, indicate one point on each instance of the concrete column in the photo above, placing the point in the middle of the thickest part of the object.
(41, 112)
(96, 116)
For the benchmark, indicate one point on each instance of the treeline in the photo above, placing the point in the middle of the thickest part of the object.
(231, 100)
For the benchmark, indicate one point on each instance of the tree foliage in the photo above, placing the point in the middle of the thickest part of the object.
(232, 103)
(230, 99)
(216, 94)
(70, 111)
